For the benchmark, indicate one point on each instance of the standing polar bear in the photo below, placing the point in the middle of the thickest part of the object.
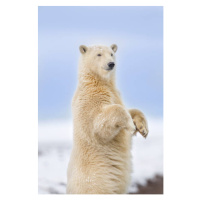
(100, 161)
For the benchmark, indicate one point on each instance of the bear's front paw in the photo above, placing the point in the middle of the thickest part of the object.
(141, 126)
(125, 122)
(131, 127)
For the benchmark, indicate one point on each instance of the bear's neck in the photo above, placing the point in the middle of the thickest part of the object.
(89, 79)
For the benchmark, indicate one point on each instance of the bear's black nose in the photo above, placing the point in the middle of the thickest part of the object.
(111, 65)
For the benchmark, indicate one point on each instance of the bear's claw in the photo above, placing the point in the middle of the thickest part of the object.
(141, 127)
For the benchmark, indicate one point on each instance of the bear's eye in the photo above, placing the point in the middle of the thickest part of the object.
(111, 54)
(98, 54)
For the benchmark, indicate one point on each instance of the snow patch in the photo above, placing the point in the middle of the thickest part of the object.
(55, 140)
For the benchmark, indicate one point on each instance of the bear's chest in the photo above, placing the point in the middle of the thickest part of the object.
(115, 97)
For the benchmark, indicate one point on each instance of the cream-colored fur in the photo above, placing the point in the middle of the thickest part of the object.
(100, 161)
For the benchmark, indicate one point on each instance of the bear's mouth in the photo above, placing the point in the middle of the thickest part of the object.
(109, 69)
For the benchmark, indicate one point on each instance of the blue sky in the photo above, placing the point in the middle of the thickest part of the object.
(138, 32)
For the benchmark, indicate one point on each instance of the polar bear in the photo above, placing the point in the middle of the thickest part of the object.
(100, 161)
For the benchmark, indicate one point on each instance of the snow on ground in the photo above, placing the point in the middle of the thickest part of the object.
(54, 147)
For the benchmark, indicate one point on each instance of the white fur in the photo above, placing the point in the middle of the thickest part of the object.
(100, 162)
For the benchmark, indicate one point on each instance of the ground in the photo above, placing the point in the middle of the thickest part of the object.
(54, 147)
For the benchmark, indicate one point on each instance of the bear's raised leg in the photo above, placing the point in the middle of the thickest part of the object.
(140, 122)
(111, 120)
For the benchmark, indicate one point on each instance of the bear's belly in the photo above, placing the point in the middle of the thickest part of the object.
(101, 169)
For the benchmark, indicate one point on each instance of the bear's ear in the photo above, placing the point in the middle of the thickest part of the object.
(114, 47)
(83, 49)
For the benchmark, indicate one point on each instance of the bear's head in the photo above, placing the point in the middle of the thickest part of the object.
(98, 59)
